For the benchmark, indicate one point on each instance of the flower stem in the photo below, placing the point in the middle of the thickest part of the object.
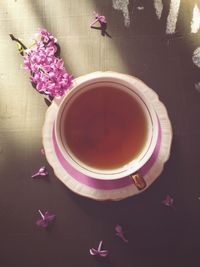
(22, 47)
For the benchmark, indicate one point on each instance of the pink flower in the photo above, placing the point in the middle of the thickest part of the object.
(120, 233)
(98, 18)
(42, 172)
(46, 219)
(99, 251)
(47, 71)
(45, 36)
(168, 201)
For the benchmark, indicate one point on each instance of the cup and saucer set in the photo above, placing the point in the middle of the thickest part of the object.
(108, 137)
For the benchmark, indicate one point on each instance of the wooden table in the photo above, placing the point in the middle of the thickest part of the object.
(158, 50)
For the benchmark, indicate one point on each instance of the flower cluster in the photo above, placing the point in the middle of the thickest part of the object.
(48, 73)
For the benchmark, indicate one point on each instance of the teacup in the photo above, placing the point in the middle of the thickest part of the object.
(106, 128)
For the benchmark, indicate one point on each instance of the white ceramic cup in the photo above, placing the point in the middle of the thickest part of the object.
(120, 82)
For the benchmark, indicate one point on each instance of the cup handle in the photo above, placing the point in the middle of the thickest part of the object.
(138, 180)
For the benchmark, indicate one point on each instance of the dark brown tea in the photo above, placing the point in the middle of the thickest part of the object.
(105, 127)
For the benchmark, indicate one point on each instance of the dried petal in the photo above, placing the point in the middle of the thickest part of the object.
(99, 251)
(42, 223)
(42, 172)
(93, 252)
(46, 219)
(168, 201)
(98, 18)
(120, 233)
(103, 253)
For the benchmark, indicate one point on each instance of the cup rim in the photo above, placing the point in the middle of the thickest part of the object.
(134, 165)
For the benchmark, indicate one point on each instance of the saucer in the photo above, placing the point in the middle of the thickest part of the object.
(108, 189)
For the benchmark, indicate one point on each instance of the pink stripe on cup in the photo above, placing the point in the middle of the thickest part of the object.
(105, 184)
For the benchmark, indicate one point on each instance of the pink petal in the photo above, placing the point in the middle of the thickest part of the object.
(99, 251)
(42, 223)
(168, 201)
(49, 217)
(103, 253)
(93, 22)
(93, 252)
(41, 172)
(46, 219)
(98, 18)
(119, 233)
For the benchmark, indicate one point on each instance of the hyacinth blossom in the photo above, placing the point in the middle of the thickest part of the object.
(168, 201)
(48, 73)
(46, 218)
(98, 18)
(99, 251)
(120, 233)
(41, 172)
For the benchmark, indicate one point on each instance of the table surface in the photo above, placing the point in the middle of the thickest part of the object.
(157, 47)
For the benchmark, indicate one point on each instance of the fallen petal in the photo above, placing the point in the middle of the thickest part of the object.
(103, 253)
(46, 219)
(49, 217)
(42, 172)
(168, 201)
(120, 233)
(42, 223)
(93, 252)
(99, 251)
(98, 18)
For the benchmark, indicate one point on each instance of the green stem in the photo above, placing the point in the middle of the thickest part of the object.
(22, 48)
